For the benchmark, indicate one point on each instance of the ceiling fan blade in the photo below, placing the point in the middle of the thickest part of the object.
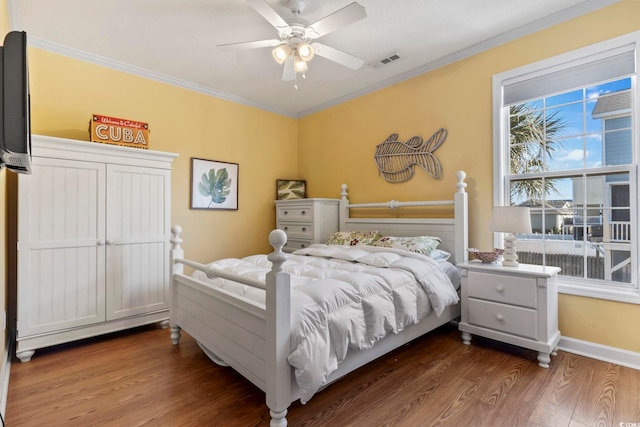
(288, 72)
(270, 15)
(251, 45)
(338, 56)
(340, 18)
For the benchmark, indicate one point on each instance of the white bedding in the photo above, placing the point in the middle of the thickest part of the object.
(346, 297)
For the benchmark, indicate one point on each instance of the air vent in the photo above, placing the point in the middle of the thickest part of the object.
(385, 61)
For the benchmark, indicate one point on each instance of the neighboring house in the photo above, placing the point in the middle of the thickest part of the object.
(615, 112)
(604, 211)
(557, 214)
(603, 204)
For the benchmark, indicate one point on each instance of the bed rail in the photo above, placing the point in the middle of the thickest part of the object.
(277, 334)
(213, 273)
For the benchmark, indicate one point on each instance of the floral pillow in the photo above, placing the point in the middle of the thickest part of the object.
(354, 238)
(421, 244)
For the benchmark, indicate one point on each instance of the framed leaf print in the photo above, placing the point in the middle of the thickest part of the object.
(287, 189)
(214, 184)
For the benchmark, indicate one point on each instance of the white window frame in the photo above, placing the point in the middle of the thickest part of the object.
(538, 70)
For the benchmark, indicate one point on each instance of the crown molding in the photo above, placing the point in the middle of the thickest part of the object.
(533, 27)
(541, 24)
(148, 74)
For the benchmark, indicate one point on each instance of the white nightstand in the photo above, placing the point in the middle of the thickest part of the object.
(307, 221)
(516, 305)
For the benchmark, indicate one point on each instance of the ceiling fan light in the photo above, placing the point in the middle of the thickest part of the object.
(305, 51)
(300, 65)
(281, 53)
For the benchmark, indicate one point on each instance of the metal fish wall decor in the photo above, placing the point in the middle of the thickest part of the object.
(396, 159)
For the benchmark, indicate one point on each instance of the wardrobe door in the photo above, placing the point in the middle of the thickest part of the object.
(61, 246)
(138, 212)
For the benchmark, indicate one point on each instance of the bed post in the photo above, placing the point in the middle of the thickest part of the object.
(461, 220)
(278, 370)
(344, 208)
(175, 253)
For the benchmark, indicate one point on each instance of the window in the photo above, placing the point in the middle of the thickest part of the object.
(566, 146)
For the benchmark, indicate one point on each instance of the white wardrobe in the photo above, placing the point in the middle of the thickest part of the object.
(93, 241)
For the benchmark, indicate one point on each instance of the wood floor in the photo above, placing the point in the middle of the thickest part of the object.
(138, 378)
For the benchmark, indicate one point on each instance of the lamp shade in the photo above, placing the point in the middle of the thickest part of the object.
(281, 53)
(511, 219)
(305, 51)
(299, 65)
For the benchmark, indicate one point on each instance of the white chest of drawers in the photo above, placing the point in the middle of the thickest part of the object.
(307, 221)
(516, 305)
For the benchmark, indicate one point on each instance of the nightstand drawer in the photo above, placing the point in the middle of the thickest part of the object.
(505, 318)
(520, 291)
(304, 212)
(297, 229)
(295, 244)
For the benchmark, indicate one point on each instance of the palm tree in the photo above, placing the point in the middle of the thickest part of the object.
(531, 137)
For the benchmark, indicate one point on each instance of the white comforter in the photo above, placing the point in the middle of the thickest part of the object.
(344, 298)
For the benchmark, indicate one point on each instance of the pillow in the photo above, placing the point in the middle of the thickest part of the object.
(353, 238)
(421, 244)
(439, 255)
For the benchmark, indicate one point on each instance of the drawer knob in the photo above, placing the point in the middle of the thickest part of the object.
(500, 317)
(303, 245)
(304, 212)
(286, 228)
(285, 212)
(500, 288)
(304, 228)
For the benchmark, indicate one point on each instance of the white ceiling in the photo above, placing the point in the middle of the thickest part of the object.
(175, 41)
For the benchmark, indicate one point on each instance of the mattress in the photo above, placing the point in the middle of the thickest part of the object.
(346, 297)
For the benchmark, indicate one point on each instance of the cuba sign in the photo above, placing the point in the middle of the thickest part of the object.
(124, 132)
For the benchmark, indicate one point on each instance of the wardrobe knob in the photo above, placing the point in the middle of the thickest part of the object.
(109, 242)
(500, 288)
(101, 242)
(500, 317)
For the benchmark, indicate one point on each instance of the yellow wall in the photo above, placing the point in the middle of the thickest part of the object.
(337, 145)
(65, 92)
(4, 28)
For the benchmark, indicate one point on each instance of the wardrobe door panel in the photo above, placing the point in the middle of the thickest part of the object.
(61, 251)
(137, 240)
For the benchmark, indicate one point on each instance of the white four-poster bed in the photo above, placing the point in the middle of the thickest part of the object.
(255, 338)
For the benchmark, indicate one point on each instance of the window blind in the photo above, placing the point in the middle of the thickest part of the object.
(579, 73)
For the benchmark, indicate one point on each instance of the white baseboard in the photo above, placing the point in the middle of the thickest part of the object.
(605, 353)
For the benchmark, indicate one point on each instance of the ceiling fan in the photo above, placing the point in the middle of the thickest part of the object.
(296, 44)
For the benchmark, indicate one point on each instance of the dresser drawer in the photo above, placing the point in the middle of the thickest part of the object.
(505, 318)
(297, 229)
(295, 244)
(296, 213)
(520, 291)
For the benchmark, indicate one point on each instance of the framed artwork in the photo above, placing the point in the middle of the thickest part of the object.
(214, 184)
(287, 189)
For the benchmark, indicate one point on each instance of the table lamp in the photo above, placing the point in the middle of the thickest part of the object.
(511, 220)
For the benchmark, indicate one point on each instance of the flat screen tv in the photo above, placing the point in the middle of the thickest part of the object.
(15, 131)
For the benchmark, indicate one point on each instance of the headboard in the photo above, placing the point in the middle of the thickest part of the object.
(453, 231)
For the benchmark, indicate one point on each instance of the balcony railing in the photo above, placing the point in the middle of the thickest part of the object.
(619, 231)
